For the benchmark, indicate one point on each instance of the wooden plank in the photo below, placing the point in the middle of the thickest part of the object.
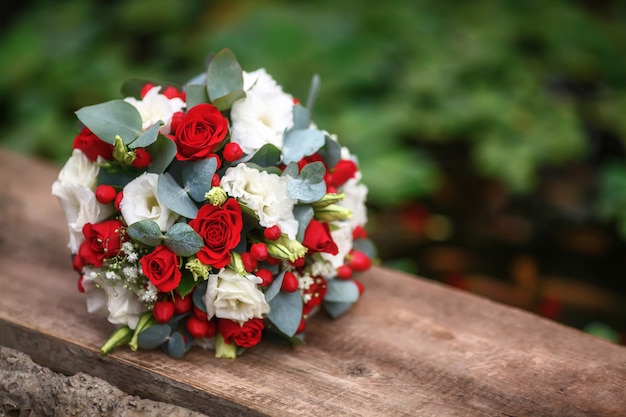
(409, 347)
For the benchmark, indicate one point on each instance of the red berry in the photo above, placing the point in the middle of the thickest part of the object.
(358, 261)
(344, 272)
(197, 328)
(266, 275)
(142, 158)
(360, 286)
(290, 282)
(272, 233)
(215, 181)
(259, 251)
(359, 232)
(272, 261)
(118, 200)
(249, 263)
(163, 311)
(182, 304)
(232, 151)
(105, 194)
(144, 90)
(199, 313)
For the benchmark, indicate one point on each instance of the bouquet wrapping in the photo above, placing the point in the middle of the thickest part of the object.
(212, 214)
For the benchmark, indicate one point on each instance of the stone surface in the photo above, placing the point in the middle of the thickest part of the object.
(27, 389)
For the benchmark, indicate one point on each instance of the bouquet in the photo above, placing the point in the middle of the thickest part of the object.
(212, 214)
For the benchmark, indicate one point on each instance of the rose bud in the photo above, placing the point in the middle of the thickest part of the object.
(344, 272)
(232, 151)
(272, 233)
(181, 304)
(197, 328)
(259, 251)
(266, 275)
(163, 311)
(358, 261)
(249, 263)
(290, 282)
(105, 193)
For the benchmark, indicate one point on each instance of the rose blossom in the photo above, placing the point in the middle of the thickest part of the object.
(265, 194)
(235, 297)
(154, 107)
(263, 115)
(92, 146)
(74, 189)
(317, 238)
(102, 241)
(161, 268)
(140, 202)
(220, 228)
(199, 132)
(245, 335)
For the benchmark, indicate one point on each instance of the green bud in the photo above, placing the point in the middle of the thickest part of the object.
(121, 152)
(197, 268)
(285, 248)
(331, 213)
(119, 337)
(328, 199)
(224, 350)
(145, 321)
(236, 264)
(216, 196)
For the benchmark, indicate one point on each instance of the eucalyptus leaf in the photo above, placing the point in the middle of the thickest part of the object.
(303, 214)
(286, 312)
(313, 92)
(224, 75)
(226, 102)
(146, 231)
(330, 152)
(195, 94)
(310, 187)
(119, 177)
(174, 197)
(274, 287)
(148, 137)
(176, 346)
(336, 309)
(198, 296)
(301, 117)
(198, 176)
(341, 291)
(366, 246)
(163, 152)
(154, 336)
(268, 155)
(298, 143)
(291, 170)
(111, 118)
(183, 240)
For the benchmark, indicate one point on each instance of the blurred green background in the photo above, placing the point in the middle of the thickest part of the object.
(490, 133)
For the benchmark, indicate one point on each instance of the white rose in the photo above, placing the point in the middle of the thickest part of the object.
(235, 297)
(341, 233)
(154, 107)
(265, 194)
(140, 202)
(111, 300)
(263, 115)
(74, 191)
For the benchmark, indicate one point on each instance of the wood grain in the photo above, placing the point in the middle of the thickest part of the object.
(410, 347)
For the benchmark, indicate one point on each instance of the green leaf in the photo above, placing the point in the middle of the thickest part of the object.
(226, 102)
(147, 232)
(186, 284)
(183, 240)
(224, 75)
(116, 177)
(197, 177)
(313, 92)
(336, 309)
(111, 118)
(267, 156)
(163, 152)
(301, 117)
(366, 246)
(291, 170)
(148, 137)
(310, 187)
(330, 152)
(154, 336)
(298, 143)
(195, 94)
(341, 291)
(198, 296)
(174, 197)
(175, 346)
(274, 287)
(303, 214)
(286, 312)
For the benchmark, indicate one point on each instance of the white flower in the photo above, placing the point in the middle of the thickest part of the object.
(140, 202)
(263, 115)
(154, 107)
(265, 194)
(341, 233)
(355, 197)
(119, 305)
(235, 297)
(74, 191)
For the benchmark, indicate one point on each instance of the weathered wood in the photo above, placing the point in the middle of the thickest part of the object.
(409, 347)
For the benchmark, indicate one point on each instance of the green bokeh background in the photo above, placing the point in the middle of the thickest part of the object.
(432, 96)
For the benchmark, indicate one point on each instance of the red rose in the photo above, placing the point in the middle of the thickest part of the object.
(102, 240)
(342, 172)
(199, 132)
(317, 238)
(220, 228)
(92, 146)
(161, 268)
(246, 335)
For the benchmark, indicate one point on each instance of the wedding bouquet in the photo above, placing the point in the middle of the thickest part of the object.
(212, 214)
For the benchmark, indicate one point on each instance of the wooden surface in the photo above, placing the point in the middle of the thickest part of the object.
(410, 347)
